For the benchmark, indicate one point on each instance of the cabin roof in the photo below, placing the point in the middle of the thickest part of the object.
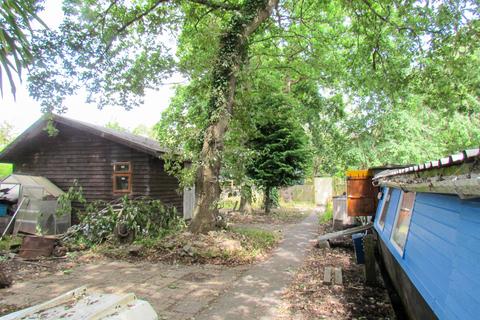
(465, 156)
(133, 141)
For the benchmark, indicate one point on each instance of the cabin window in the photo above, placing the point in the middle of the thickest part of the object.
(402, 220)
(122, 177)
(386, 203)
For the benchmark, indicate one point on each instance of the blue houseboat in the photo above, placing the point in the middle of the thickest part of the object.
(428, 226)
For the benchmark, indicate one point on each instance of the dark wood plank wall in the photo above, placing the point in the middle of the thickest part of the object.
(74, 154)
(164, 186)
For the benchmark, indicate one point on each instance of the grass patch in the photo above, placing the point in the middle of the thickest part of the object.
(9, 241)
(229, 203)
(258, 239)
(327, 216)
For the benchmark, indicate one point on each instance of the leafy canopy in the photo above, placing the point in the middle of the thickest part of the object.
(372, 82)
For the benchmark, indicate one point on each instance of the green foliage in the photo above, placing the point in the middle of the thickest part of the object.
(143, 130)
(140, 130)
(258, 239)
(114, 125)
(371, 82)
(65, 200)
(279, 150)
(6, 136)
(327, 216)
(8, 241)
(16, 53)
(147, 218)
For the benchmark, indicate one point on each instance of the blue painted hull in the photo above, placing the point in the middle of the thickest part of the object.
(442, 252)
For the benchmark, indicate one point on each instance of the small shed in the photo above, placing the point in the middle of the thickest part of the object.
(106, 163)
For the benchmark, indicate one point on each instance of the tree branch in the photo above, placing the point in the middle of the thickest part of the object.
(387, 20)
(141, 15)
(217, 5)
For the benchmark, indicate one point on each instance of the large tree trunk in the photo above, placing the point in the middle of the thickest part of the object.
(230, 57)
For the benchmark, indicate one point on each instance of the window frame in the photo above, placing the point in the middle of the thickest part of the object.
(383, 212)
(127, 174)
(400, 250)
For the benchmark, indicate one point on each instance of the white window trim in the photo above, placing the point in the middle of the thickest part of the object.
(399, 206)
(386, 194)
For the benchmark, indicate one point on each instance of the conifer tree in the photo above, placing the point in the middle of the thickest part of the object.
(279, 151)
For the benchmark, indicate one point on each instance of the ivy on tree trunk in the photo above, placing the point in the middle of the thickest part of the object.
(230, 57)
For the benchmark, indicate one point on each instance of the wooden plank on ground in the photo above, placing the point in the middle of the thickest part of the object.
(338, 279)
(345, 232)
(370, 270)
(327, 276)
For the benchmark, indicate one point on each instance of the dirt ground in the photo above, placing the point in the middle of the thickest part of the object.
(308, 298)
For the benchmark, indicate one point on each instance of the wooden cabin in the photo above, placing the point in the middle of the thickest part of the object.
(428, 225)
(107, 163)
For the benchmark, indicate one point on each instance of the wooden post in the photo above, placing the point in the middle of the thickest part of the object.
(327, 276)
(370, 270)
(338, 279)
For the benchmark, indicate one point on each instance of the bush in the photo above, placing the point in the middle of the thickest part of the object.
(146, 218)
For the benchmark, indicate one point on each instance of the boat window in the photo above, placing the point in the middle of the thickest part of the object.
(386, 202)
(122, 177)
(402, 220)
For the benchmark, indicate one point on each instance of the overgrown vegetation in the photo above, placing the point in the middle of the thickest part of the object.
(8, 241)
(367, 80)
(65, 200)
(141, 218)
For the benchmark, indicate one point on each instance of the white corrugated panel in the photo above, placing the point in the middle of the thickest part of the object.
(82, 304)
